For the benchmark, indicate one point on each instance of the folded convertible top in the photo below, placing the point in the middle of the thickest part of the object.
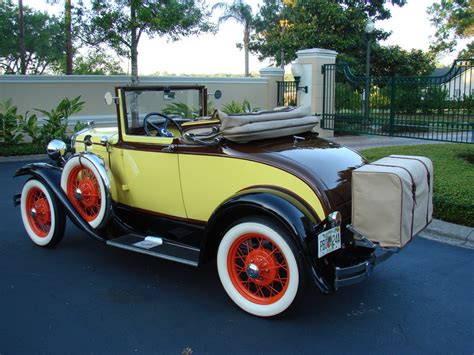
(266, 124)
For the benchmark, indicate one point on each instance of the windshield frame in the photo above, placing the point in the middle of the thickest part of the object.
(202, 92)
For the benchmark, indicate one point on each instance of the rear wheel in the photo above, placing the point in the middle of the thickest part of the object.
(44, 221)
(85, 189)
(260, 268)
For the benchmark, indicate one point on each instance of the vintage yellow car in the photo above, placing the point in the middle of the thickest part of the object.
(260, 192)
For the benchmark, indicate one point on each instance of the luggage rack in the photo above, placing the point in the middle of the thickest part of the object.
(362, 241)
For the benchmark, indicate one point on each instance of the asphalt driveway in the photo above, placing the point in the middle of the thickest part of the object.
(85, 297)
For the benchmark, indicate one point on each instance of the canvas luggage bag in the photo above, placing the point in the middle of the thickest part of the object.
(392, 199)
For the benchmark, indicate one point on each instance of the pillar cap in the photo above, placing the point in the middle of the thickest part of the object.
(272, 71)
(316, 53)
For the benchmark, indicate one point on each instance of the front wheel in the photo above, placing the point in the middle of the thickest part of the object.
(260, 267)
(84, 187)
(42, 217)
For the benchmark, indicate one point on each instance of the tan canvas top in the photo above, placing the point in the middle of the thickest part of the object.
(267, 124)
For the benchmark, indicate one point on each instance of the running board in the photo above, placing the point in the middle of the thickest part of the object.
(158, 247)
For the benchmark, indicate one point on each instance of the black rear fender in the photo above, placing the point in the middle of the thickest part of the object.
(282, 208)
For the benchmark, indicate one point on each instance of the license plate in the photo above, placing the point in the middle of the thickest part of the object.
(329, 241)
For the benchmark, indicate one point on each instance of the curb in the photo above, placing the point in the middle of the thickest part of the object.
(20, 158)
(449, 233)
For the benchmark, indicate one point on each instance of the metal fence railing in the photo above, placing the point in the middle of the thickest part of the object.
(425, 107)
(287, 93)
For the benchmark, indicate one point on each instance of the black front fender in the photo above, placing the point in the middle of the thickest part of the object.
(51, 176)
(279, 206)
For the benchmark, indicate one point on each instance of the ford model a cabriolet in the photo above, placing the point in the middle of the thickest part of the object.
(275, 204)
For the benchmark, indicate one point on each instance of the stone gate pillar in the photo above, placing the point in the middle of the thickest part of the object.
(273, 75)
(312, 61)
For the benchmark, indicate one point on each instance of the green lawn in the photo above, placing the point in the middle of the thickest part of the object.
(453, 177)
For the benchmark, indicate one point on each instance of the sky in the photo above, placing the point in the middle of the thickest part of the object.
(217, 53)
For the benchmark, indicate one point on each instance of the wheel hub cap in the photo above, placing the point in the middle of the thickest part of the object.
(258, 269)
(78, 194)
(83, 191)
(253, 271)
(39, 212)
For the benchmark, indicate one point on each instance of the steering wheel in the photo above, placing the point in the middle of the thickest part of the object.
(163, 129)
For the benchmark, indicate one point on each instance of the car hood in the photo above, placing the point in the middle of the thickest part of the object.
(324, 165)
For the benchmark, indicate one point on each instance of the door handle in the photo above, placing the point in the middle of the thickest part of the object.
(170, 148)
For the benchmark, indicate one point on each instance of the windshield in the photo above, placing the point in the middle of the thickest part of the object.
(180, 103)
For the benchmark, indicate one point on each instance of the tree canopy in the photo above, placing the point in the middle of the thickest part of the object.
(92, 62)
(454, 20)
(395, 61)
(44, 40)
(283, 28)
(120, 24)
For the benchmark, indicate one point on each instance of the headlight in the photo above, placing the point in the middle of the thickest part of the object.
(56, 149)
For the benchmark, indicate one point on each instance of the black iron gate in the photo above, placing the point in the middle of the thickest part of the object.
(287, 93)
(430, 107)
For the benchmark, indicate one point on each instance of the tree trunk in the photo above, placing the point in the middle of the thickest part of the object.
(282, 58)
(21, 22)
(246, 50)
(68, 25)
(134, 59)
(134, 43)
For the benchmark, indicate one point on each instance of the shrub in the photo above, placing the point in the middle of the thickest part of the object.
(21, 149)
(379, 98)
(435, 99)
(78, 126)
(186, 111)
(181, 109)
(57, 119)
(31, 128)
(467, 103)
(348, 97)
(11, 123)
(407, 98)
(235, 107)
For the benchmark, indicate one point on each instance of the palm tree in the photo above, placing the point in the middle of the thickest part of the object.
(242, 13)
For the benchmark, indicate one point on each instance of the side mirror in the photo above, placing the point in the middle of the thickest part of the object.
(109, 98)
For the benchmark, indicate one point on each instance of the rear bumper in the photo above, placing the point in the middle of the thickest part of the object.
(345, 276)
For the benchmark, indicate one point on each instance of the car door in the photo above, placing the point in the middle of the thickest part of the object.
(150, 172)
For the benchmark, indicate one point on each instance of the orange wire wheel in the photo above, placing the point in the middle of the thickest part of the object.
(38, 212)
(83, 190)
(42, 218)
(258, 269)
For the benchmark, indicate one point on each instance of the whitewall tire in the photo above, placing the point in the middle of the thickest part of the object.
(260, 268)
(81, 182)
(43, 218)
